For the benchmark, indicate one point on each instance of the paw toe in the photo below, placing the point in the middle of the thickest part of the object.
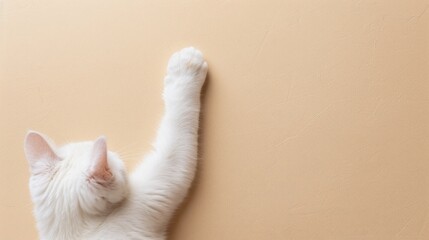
(187, 59)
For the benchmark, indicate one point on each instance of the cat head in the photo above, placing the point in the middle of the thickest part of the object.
(83, 177)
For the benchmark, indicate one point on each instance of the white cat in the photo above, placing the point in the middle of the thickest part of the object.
(81, 190)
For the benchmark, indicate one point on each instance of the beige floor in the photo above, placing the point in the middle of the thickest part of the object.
(315, 115)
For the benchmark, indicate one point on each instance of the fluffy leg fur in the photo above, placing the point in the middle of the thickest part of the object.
(161, 181)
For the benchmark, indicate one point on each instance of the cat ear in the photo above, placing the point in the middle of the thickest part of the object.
(100, 167)
(39, 148)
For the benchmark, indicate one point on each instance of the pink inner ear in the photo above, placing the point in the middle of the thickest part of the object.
(100, 167)
(37, 147)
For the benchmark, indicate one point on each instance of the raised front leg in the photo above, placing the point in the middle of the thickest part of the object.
(166, 174)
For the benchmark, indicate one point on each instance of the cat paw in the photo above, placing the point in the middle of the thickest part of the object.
(187, 67)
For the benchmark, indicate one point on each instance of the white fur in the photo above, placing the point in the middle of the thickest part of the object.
(78, 196)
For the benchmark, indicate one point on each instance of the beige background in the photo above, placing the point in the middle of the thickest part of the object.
(315, 115)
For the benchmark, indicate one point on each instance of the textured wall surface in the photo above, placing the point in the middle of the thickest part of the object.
(315, 114)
